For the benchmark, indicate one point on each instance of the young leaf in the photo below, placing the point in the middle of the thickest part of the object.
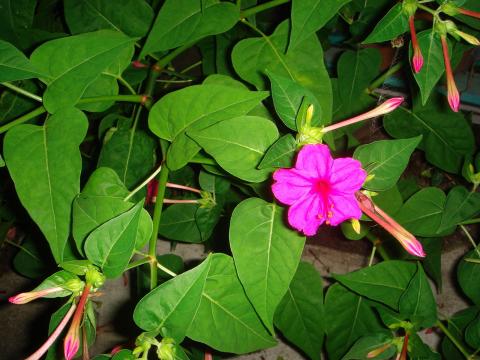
(417, 302)
(237, 327)
(111, 245)
(384, 282)
(14, 65)
(422, 213)
(45, 165)
(393, 24)
(231, 144)
(447, 137)
(257, 230)
(195, 108)
(433, 65)
(300, 314)
(287, 97)
(386, 160)
(73, 63)
(131, 17)
(461, 205)
(280, 154)
(347, 317)
(170, 308)
(183, 21)
(252, 57)
(309, 16)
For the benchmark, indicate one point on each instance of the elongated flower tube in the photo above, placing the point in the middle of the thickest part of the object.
(417, 60)
(452, 91)
(26, 297)
(55, 334)
(71, 342)
(384, 108)
(467, 12)
(407, 240)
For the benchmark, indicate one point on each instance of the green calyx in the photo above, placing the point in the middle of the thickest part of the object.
(409, 7)
(74, 285)
(207, 200)
(309, 135)
(94, 277)
(166, 349)
(450, 9)
(441, 28)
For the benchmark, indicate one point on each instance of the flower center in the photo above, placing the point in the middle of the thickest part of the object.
(322, 188)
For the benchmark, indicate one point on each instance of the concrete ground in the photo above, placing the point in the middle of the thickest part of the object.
(24, 327)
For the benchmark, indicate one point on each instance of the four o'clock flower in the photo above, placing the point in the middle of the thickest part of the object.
(452, 91)
(71, 342)
(26, 297)
(467, 12)
(417, 60)
(407, 240)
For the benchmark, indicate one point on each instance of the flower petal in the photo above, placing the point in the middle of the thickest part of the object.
(344, 207)
(290, 186)
(347, 175)
(314, 160)
(303, 215)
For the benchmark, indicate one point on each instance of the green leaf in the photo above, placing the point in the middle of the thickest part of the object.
(418, 350)
(461, 205)
(252, 57)
(183, 21)
(309, 16)
(280, 154)
(300, 315)
(472, 333)
(386, 160)
(212, 183)
(433, 64)
(195, 108)
(170, 308)
(111, 245)
(356, 71)
(457, 325)
(238, 145)
(13, 104)
(101, 200)
(78, 267)
(468, 274)
(178, 223)
(366, 344)
(224, 303)
(287, 97)
(393, 24)
(447, 137)
(422, 213)
(418, 302)
(131, 17)
(124, 355)
(384, 282)
(73, 63)
(45, 165)
(14, 65)
(16, 18)
(131, 155)
(257, 230)
(57, 279)
(33, 259)
(347, 317)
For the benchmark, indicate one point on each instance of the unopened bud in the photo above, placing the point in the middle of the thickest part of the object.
(309, 114)
(374, 353)
(468, 37)
(309, 135)
(356, 226)
(94, 277)
(409, 7)
(74, 285)
(166, 349)
(450, 9)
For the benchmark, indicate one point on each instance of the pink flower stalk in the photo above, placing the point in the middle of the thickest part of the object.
(471, 13)
(71, 342)
(452, 91)
(407, 240)
(319, 189)
(26, 297)
(53, 337)
(384, 108)
(152, 191)
(417, 59)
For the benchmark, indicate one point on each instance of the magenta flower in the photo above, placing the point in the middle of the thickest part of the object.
(319, 189)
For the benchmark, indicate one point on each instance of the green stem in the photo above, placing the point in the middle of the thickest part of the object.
(471, 221)
(157, 215)
(172, 55)
(22, 91)
(126, 84)
(381, 79)
(262, 7)
(22, 249)
(144, 183)
(137, 263)
(378, 245)
(470, 238)
(453, 339)
(167, 270)
(372, 255)
(40, 110)
(427, 9)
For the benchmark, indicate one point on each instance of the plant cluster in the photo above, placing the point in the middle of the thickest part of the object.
(225, 123)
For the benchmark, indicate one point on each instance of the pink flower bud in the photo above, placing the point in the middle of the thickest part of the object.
(26, 297)
(471, 13)
(452, 92)
(417, 60)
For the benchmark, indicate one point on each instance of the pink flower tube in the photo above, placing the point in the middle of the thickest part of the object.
(452, 91)
(417, 60)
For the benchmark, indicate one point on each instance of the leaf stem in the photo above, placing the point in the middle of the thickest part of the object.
(136, 263)
(22, 248)
(372, 255)
(470, 238)
(471, 221)
(127, 85)
(24, 118)
(144, 183)
(262, 7)
(167, 270)
(381, 79)
(427, 9)
(453, 339)
(157, 215)
(377, 243)
(21, 91)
